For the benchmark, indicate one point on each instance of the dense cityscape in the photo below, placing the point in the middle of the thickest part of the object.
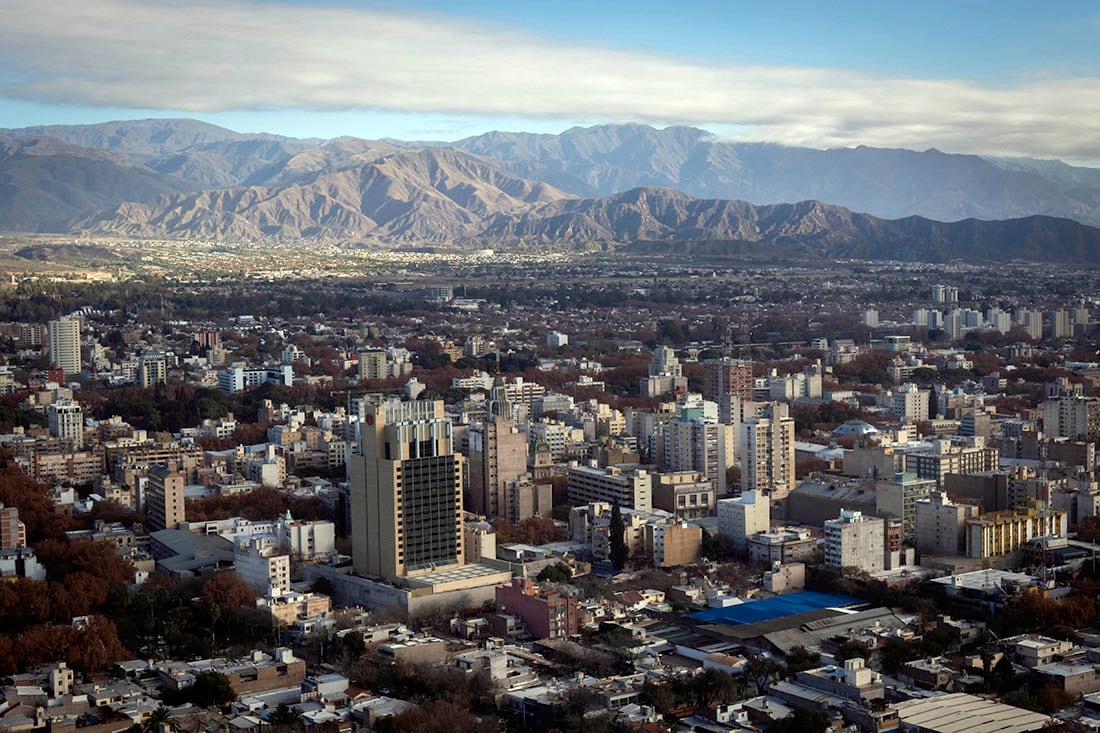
(572, 367)
(475, 491)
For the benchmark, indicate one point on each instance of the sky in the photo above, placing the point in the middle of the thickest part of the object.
(996, 77)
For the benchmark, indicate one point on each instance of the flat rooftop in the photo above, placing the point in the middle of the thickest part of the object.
(777, 607)
(457, 574)
(962, 713)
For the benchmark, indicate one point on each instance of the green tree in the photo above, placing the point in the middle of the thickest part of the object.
(800, 658)
(559, 572)
(210, 689)
(761, 671)
(284, 717)
(852, 648)
(617, 539)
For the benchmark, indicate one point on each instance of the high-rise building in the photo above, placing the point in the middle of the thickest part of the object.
(941, 524)
(744, 517)
(723, 377)
(855, 541)
(372, 364)
(64, 345)
(66, 420)
(911, 404)
(1031, 322)
(497, 455)
(163, 503)
(1060, 324)
(152, 368)
(898, 498)
(695, 445)
(406, 490)
(263, 565)
(999, 320)
(1076, 418)
(767, 454)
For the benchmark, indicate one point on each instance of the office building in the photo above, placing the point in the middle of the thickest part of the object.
(744, 517)
(64, 345)
(767, 454)
(238, 379)
(497, 454)
(66, 421)
(163, 502)
(406, 490)
(855, 541)
(947, 457)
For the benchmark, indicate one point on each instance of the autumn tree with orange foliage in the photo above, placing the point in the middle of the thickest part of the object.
(441, 716)
(531, 531)
(32, 500)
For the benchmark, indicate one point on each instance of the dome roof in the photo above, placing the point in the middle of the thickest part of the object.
(855, 427)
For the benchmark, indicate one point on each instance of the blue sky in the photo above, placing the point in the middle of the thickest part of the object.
(1009, 78)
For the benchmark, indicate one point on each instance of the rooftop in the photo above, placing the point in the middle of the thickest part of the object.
(962, 713)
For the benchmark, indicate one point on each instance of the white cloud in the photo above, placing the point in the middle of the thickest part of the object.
(217, 56)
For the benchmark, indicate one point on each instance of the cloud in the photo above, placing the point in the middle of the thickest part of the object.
(218, 56)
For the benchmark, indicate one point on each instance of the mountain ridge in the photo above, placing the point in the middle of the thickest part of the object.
(605, 185)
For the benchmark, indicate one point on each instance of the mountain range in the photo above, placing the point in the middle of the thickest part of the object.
(597, 186)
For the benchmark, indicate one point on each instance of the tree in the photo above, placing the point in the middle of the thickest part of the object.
(896, 652)
(559, 572)
(156, 718)
(284, 717)
(852, 648)
(94, 645)
(761, 670)
(227, 593)
(1003, 677)
(617, 538)
(210, 689)
(799, 659)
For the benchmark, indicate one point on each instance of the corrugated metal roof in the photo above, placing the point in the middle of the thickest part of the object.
(962, 713)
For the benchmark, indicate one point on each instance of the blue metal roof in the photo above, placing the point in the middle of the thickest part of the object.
(777, 607)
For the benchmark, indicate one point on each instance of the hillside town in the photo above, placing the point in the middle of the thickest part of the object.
(571, 494)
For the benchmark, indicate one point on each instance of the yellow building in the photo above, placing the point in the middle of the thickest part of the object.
(1000, 533)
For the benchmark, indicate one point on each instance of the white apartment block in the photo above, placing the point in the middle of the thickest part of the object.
(855, 541)
(66, 421)
(261, 563)
(631, 489)
(744, 517)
